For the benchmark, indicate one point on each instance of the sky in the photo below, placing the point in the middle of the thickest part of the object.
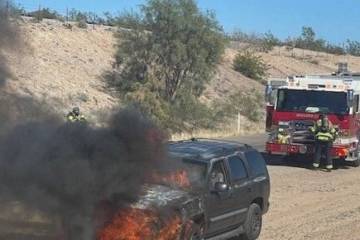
(333, 20)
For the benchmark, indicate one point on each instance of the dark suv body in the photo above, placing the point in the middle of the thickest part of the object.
(232, 189)
(220, 191)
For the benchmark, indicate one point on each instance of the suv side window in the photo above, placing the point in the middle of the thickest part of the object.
(256, 163)
(217, 173)
(237, 168)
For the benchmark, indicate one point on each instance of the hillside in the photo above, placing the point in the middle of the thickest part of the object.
(65, 67)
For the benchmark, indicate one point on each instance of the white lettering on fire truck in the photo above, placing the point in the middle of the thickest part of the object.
(306, 115)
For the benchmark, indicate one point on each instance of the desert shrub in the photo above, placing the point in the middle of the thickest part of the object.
(68, 26)
(258, 42)
(16, 10)
(82, 24)
(269, 41)
(353, 47)
(314, 61)
(250, 65)
(46, 13)
(334, 49)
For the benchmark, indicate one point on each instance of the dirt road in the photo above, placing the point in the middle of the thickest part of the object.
(308, 204)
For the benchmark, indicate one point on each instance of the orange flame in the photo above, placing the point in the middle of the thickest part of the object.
(140, 224)
(179, 178)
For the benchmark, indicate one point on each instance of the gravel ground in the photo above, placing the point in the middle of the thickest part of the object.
(307, 204)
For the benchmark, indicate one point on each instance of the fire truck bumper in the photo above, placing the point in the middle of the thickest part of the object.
(288, 149)
(337, 151)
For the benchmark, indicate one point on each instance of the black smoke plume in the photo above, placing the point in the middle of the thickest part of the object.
(67, 170)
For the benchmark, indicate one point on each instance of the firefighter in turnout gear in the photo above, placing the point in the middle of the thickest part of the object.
(75, 116)
(325, 134)
(283, 136)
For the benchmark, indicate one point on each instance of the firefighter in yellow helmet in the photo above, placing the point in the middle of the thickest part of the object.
(75, 116)
(283, 136)
(325, 134)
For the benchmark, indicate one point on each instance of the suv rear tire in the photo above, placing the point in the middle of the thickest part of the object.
(253, 223)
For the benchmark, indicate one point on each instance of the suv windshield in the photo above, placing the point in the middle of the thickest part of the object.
(312, 101)
(183, 175)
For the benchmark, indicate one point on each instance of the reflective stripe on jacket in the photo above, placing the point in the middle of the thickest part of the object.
(324, 136)
(73, 118)
(324, 133)
(283, 139)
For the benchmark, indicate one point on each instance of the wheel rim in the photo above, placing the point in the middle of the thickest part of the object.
(256, 223)
(194, 237)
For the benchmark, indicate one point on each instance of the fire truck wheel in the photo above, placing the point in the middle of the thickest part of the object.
(356, 163)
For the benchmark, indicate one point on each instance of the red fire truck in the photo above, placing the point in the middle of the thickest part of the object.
(295, 103)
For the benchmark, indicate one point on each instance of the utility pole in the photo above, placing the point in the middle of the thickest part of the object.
(39, 13)
(67, 14)
(238, 123)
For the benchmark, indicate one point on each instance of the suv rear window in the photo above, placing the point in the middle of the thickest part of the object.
(256, 163)
(237, 168)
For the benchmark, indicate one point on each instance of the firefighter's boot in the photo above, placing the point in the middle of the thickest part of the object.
(329, 168)
(315, 165)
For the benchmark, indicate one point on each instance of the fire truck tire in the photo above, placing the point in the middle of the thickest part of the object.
(253, 223)
(356, 163)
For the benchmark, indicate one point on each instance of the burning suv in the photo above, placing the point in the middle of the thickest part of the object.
(219, 190)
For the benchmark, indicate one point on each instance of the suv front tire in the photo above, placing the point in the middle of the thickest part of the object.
(253, 223)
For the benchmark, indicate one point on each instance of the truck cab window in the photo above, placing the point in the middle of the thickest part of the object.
(237, 168)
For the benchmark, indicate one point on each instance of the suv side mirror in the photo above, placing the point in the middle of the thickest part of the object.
(221, 187)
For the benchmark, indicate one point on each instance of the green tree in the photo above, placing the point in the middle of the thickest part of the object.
(308, 34)
(46, 13)
(169, 48)
(270, 41)
(16, 10)
(77, 16)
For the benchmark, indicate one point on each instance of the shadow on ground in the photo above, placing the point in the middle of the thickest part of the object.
(304, 162)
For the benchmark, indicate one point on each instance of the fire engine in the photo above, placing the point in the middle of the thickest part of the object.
(294, 105)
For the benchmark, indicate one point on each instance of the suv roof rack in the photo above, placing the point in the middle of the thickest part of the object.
(213, 140)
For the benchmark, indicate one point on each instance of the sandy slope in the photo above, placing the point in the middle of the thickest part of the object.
(63, 66)
(66, 66)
